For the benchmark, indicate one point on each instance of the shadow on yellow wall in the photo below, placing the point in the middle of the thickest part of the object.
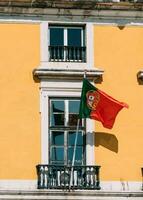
(106, 140)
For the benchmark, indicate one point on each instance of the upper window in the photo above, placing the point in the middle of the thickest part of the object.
(67, 44)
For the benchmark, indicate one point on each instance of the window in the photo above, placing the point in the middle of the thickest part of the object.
(67, 44)
(63, 121)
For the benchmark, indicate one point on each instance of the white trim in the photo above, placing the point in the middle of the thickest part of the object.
(61, 88)
(90, 45)
(66, 113)
(106, 186)
(108, 22)
(17, 20)
(90, 143)
(18, 184)
(121, 185)
(44, 35)
(44, 128)
(97, 22)
(65, 36)
(67, 65)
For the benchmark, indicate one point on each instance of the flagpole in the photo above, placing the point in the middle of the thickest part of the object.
(74, 152)
(75, 144)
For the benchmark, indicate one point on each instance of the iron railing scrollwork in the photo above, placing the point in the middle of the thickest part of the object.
(65, 177)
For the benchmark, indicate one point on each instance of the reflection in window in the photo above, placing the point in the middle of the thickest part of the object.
(57, 155)
(74, 36)
(57, 113)
(73, 112)
(71, 138)
(56, 36)
(57, 138)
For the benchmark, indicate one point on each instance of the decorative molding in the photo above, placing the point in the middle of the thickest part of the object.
(78, 4)
(116, 187)
(67, 74)
(74, 15)
(124, 186)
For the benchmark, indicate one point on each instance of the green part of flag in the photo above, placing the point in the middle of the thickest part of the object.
(84, 110)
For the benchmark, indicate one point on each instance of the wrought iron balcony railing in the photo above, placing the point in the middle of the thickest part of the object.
(67, 54)
(65, 177)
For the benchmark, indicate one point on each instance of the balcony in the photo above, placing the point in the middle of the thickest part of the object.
(67, 54)
(66, 177)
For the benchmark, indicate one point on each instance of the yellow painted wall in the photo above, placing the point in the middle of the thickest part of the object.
(119, 52)
(19, 101)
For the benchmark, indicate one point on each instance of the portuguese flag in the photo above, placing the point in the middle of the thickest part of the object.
(97, 105)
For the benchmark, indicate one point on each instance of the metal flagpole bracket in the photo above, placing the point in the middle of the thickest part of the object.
(85, 71)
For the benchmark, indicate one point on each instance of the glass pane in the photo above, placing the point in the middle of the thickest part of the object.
(56, 36)
(71, 138)
(73, 119)
(57, 120)
(57, 138)
(57, 154)
(74, 37)
(57, 106)
(78, 156)
(57, 113)
(74, 106)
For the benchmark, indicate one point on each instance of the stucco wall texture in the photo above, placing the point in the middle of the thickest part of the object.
(118, 50)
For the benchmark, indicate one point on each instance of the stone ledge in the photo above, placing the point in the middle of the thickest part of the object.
(64, 195)
(68, 74)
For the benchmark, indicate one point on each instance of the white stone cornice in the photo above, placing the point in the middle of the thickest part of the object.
(67, 74)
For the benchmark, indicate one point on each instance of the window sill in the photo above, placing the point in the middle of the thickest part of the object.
(63, 65)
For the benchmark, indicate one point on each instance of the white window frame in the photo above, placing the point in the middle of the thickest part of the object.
(65, 33)
(44, 43)
(66, 116)
(49, 90)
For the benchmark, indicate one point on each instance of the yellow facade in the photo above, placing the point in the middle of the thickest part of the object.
(118, 50)
(19, 107)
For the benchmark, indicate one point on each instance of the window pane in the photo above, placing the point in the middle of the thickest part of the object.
(73, 119)
(71, 138)
(74, 37)
(57, 138)
(57, 120)
(56, 36)
(74, 106)
(57, 113)
(78, 156)
(57, 154)
(58, 106)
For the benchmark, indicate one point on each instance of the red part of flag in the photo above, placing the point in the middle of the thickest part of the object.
(107, 109)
